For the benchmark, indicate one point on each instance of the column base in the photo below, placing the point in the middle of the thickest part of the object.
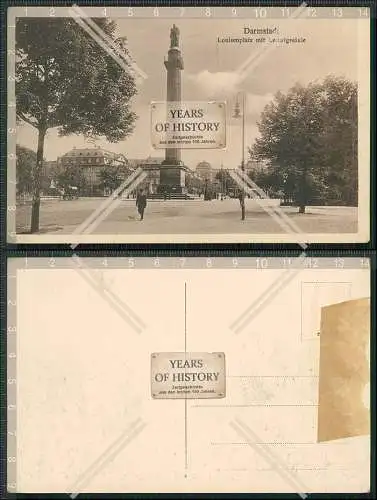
(172, 179)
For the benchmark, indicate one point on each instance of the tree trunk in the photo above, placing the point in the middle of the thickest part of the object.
(34, 225)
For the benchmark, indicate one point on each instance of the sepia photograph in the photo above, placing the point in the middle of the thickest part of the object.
(223, 126)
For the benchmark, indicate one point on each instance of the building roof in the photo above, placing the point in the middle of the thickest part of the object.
(142, 161)
(203, 165)
(90, 152)
(84, 152)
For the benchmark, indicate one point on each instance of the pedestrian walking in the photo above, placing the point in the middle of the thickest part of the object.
(141, 203)
(241, 197)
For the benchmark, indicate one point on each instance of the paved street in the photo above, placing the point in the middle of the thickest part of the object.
(183, 217)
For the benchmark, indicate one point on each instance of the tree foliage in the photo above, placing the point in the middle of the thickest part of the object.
(194, 184)
(26, 159)
(309, 137)
(111, 176)
(225, 180)
(70, 175)
(66, 80)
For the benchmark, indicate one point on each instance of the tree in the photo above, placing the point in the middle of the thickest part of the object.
(70, 175)
(223, 177)
(309, 137)
(268, 180)
(112, 176)
(194, 183)
(65, 80)
(341, 140)
(225, 180)
(26, 159)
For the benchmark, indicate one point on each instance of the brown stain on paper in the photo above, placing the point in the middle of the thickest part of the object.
(344, 370)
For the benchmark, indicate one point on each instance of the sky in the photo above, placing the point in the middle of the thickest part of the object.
(211, 72)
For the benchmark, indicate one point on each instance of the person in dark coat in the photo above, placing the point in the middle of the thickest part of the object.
(141, 203)
(241, 197)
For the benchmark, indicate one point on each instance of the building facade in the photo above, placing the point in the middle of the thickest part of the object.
(90, 162)
(152, 167)
(205, 171)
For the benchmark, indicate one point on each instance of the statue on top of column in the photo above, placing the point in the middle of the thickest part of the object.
(174, 36)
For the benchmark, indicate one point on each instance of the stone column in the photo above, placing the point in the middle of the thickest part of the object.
(172, 171)
(174, 66)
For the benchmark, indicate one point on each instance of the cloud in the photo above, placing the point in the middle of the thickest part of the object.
(216, 84)
(226, 85)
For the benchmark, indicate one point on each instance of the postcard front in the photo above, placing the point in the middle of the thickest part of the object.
(195, 108)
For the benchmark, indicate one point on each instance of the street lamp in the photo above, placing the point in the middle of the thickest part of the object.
(240, 113)
(237, 114)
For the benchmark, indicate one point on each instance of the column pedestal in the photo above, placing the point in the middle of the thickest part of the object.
(172, 179)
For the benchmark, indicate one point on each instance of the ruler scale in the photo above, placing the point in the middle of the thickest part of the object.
(242, 41)
(321, 282)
